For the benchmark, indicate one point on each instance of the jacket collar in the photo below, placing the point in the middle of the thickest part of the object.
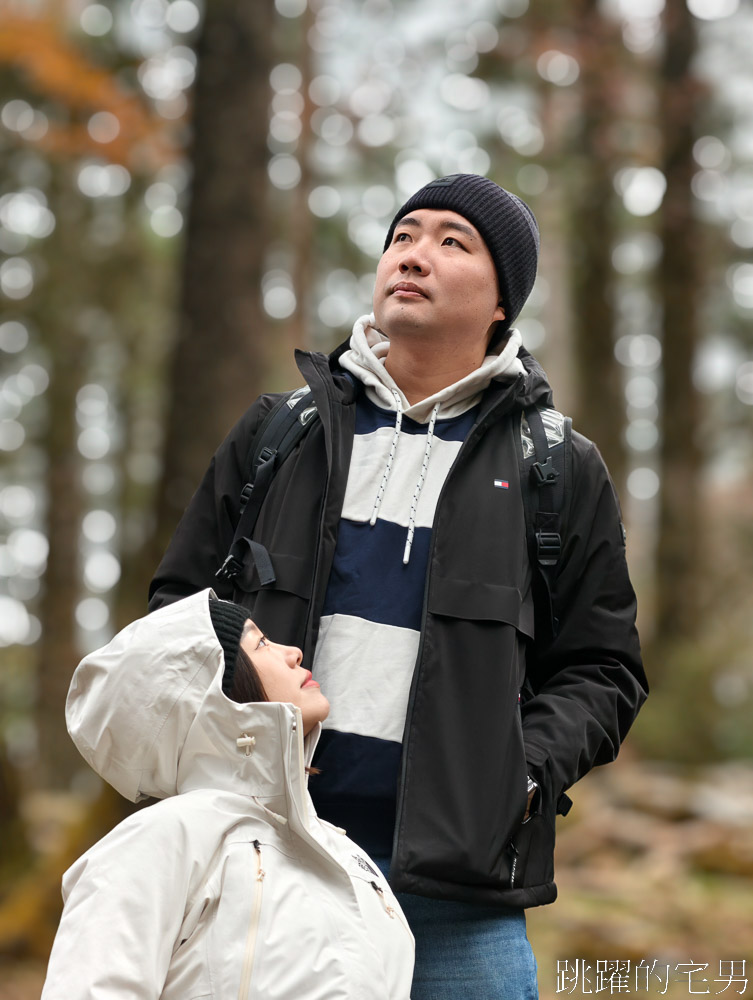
(328, 381)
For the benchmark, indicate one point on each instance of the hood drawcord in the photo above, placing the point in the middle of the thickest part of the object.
(282, 820)
(390, 457)
(420, 485)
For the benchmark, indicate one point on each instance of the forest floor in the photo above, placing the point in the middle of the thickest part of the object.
(655, 875)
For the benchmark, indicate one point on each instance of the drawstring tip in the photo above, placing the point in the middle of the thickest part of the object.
(406, 554)
(372, 521)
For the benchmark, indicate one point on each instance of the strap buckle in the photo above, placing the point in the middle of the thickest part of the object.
(246, 495)
(546, 474)
(548, 547)
(229, 569)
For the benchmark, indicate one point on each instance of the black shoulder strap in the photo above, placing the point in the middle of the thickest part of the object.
(280, 432)
(546, 473)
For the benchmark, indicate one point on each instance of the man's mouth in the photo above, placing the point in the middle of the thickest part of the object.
(408, 289)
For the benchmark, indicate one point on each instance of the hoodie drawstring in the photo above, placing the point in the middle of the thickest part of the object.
(390, 457)
(420, 485)
(421, 479)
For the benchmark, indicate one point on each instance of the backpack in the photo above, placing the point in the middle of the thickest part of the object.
(545, 467)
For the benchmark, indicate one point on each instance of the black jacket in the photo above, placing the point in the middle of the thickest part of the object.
(488, 704)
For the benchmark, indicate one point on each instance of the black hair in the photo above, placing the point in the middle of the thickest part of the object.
(246, 684)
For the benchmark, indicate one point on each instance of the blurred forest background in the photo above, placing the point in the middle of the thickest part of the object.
(190, 190)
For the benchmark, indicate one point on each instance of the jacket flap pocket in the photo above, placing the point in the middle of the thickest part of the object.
(534, 753)
(456, 598)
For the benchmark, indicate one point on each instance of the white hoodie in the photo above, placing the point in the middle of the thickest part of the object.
(231, 886)
(369, 348)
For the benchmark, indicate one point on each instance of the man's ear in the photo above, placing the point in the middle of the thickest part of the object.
(499, 312)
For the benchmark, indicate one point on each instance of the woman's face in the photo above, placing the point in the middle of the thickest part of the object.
(284, 679)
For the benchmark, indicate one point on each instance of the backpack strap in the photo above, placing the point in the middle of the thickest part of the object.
(280, 432)
(546, 440)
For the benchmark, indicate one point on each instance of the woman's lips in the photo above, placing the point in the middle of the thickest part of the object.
(309, 682)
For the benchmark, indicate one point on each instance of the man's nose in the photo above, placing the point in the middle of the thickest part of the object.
(414, 262)
(405, 267)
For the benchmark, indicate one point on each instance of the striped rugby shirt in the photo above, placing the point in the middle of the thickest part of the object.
(370, 624)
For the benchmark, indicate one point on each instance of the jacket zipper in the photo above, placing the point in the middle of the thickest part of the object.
(314, 602)
(514, 865)
(389, 910)
(253, 929)
(475, 432)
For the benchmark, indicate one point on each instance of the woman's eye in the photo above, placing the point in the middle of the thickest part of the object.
(264, 641)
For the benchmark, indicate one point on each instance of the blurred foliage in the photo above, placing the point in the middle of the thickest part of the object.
(149, 225)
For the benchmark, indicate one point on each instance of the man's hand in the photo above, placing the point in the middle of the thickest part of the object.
(532, 789)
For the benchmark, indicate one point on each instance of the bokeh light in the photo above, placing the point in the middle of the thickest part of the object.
(101, 571)
(99, 526)
(14, 621)
(26, 213)
(558, 67)
(643, 483)
(278, 297)
(642, 189)
(103, 180)
(16, 278)
(284, 171)
(96, 19)
(92, 614)
(17, 503)
(324, 201)
(182, 16)
(14, 337)
(711, 10)
(29, 549)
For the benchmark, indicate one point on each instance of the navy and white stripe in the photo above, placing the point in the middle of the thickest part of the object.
(370, 624)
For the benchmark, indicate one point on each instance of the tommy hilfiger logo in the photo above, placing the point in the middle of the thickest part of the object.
(502, 484)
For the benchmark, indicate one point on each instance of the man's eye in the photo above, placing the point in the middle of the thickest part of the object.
(401, 237)
(452, 241)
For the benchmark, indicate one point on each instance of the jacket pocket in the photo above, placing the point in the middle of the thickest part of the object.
(249, 954)
(464, 780)
(452, 597)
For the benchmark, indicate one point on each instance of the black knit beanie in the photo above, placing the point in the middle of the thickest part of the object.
(228, 620)
(506, 224)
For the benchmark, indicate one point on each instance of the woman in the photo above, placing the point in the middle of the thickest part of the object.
(231, 886)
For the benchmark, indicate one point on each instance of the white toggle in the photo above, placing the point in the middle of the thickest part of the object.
(246, 742)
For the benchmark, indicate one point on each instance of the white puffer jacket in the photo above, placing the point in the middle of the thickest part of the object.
(231, 887)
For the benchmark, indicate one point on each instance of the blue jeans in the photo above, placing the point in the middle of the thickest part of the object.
(468, 950)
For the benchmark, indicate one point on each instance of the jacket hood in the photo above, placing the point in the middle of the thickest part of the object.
(535, 389)
(148, 714)
(368, 349)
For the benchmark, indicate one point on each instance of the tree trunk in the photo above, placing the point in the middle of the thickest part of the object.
(302, 228)
(679, 545)
(58, 652)
(219, 360)
(599, 413)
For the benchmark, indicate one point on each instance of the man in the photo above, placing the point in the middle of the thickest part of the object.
(397, 535)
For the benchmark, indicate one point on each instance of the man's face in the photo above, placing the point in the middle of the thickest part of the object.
(437, 277)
